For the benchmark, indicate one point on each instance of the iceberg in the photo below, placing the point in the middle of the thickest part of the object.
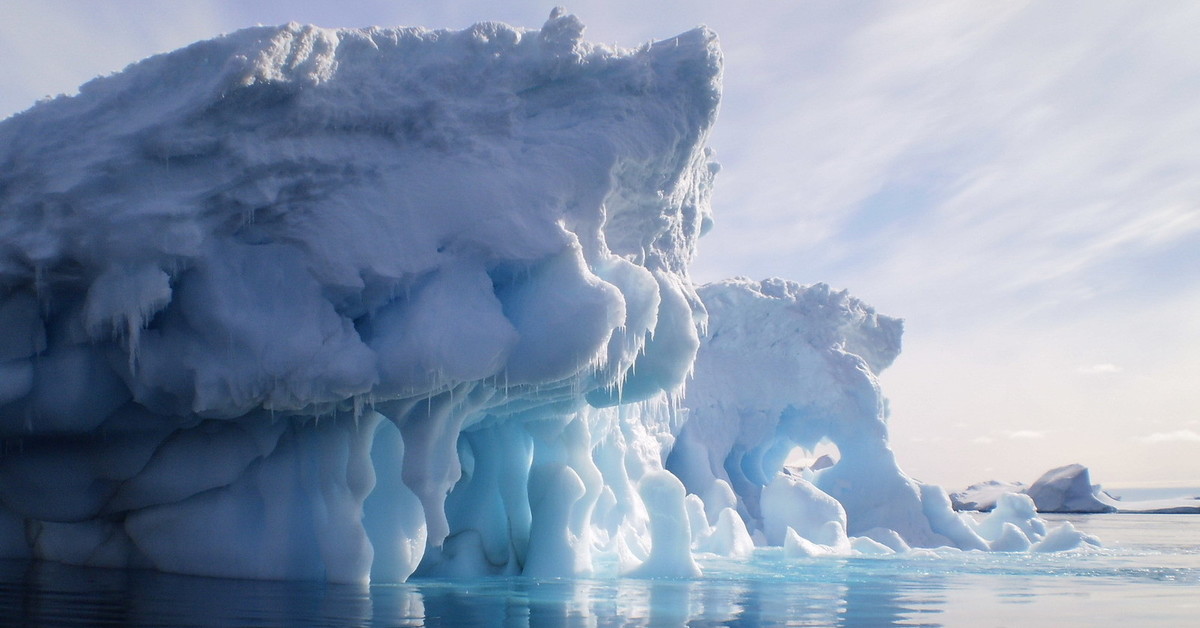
(315, 304)
(983, 496)
(303, 303)
(1067, 489)
(785, 366)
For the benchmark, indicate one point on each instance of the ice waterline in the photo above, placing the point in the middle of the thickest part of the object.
(309, 304)
(1147, 578)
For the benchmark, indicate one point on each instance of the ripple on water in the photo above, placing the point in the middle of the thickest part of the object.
(1141, 580)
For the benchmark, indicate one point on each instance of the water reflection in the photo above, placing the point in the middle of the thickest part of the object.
(966, 588)
(52, 594)
(816, 594)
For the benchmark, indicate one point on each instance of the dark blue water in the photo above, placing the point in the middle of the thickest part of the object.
(1148, 575)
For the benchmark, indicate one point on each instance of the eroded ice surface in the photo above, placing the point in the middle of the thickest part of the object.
(298, 303)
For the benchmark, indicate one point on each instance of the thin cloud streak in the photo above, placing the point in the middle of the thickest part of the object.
(1025, 435)
(1047, 181)
(1178, 436)
(1100, 369)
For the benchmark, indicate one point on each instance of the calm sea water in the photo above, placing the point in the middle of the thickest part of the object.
(1148, 575)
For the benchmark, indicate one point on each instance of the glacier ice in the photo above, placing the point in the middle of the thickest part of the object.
(301, 303)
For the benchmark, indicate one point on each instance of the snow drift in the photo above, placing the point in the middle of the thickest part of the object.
(339, 304)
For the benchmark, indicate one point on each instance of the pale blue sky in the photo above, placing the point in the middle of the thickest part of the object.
(1020, 181)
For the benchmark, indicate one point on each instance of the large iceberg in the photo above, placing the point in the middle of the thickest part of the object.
(300, 303)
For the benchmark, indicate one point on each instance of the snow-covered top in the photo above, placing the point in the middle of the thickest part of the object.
(269, 218)
(836, 319)
(361, 123)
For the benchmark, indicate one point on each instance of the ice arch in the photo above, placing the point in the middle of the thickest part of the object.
(786, 365)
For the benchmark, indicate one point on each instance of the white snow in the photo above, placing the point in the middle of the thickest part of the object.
(300, 303)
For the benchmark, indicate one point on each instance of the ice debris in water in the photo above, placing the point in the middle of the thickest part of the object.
(303, 303)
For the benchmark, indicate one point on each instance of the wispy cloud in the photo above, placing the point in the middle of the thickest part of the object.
(1178, 436)
(1024, 435)
(1100, 369)
(978, 152)
(1017, 190)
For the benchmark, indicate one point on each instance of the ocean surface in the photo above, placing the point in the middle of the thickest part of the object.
(1148, 574)
(1134, 493)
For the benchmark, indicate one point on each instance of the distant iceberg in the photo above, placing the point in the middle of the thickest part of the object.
(983, 496)
(1070, 489)
(300, 303)
(1066, 489)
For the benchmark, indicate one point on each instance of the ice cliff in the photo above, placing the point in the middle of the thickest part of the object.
(302, 303)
